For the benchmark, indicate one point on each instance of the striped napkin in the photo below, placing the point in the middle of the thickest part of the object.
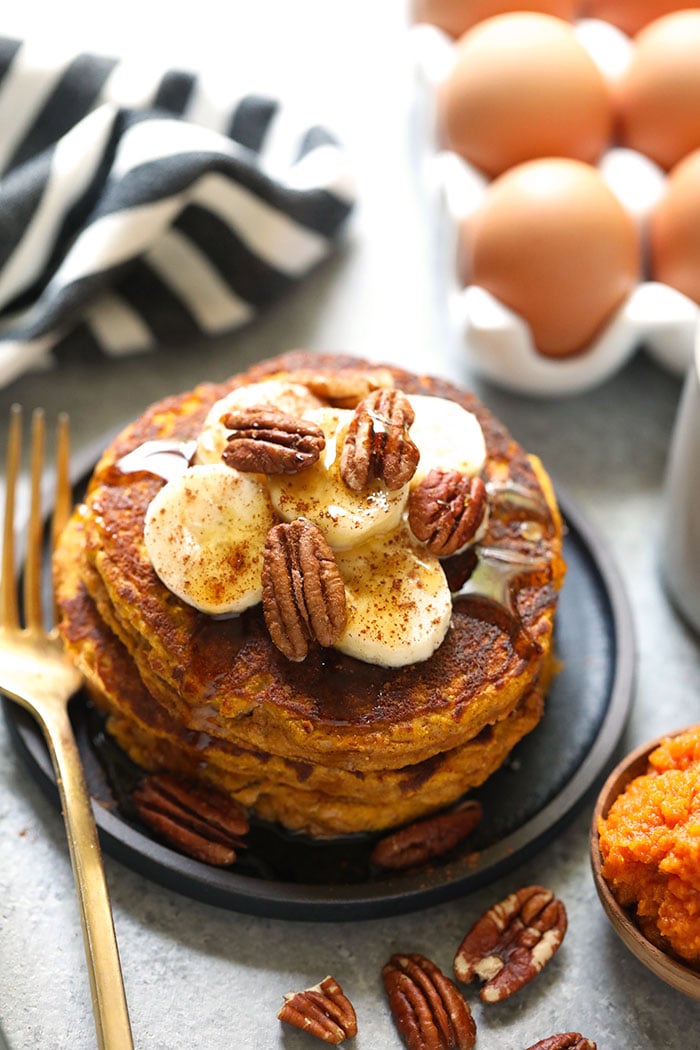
(143, 207)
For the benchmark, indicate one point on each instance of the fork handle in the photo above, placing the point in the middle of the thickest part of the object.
(106, 983)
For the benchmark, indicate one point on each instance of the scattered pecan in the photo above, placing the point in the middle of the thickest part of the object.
(344, 388)
(564, 1041)
(303, 591)
(196, 819)
(419, 842)
(323, 1011)
(265, 440)
(429, 1010)
(511, 942)
(377, 443)
(446, 510)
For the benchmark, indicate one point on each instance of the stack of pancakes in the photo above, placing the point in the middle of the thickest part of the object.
(330, 745)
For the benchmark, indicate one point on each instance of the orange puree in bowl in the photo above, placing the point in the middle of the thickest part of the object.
(650, 845)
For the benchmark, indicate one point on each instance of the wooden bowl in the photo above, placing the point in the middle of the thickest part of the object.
(670, 969)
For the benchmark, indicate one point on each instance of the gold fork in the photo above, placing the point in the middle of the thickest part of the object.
(35, 672)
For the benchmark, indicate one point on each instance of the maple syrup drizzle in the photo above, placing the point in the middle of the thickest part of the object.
(496, 570)
(165, 459)
(518, 496)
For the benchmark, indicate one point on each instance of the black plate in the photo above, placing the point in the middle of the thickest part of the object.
(525, 803)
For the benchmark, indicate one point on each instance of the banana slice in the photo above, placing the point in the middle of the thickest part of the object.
(289, 397)
(448, 437)
(204, 534)
(398, 601)
(346, 518)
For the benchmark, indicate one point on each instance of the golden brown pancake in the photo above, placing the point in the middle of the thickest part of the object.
(330, 744)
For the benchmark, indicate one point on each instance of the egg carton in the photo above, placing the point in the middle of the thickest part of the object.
(497, 341)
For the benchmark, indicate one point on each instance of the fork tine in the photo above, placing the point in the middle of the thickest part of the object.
(63, 498)
(32, 568)
(9, 615)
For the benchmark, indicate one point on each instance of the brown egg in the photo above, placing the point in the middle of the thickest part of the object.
(456, 16)
(658, 95)
(630, 15)
(522, 86)
(551, 241)
(674, 230)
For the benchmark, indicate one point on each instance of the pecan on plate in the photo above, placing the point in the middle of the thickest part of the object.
(446, 510)
(511, 942)
(265, 440)
(323, 1011)
(377, 443)
(303, 591)
(419, 842)
(344, 388)
(194, 818)
(564, 1041)
(429, 1010)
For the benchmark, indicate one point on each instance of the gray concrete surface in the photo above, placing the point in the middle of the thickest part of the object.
(197, 976)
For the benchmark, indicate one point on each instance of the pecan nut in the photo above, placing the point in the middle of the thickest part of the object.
(428, 1008)
(564, 1041)
(344, 388)
(377, 443)
(265, 440)
(323, 1011)
(446, 511)
(511, 942)
(303, 591)
(192, 817)
(419, 842)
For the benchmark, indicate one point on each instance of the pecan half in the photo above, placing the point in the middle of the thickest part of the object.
(564, 1041)
(419, 842)
(511, 942)
(377, 443)
(344, 388)
(446, 510)
(196, 819)
(303, 591)
(429, 1010)
(265, 440)
(323, 1011)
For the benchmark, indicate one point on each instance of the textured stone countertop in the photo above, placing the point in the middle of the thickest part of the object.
(199, 976)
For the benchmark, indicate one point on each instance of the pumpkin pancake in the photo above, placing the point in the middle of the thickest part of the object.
(299, 794)
(330, 743)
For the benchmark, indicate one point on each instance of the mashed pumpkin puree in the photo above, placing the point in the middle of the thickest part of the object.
(650, 844)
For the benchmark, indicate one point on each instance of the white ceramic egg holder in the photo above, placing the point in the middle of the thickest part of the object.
(497, 341)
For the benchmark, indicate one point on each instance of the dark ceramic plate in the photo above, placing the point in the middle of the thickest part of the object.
(525, 803)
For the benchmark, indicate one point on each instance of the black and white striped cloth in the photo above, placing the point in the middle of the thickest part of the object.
(139, 207)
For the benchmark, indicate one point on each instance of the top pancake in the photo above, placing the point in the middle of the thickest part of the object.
(330, 708)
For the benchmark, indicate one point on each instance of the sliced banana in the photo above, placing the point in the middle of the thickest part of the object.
(398, 600)
(289, 397)
(448, 437)
(204, 534)
(318, 493)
